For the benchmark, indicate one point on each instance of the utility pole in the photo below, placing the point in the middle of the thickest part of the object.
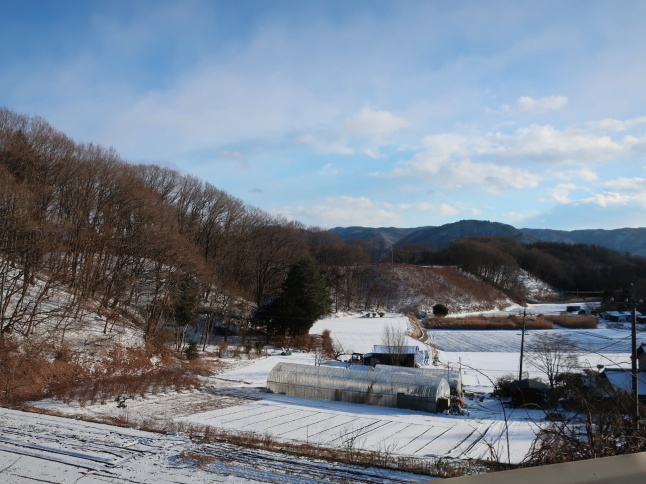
(522, 346)
(634, 369)
(2, 283)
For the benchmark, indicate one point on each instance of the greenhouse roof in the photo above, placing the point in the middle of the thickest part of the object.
(347, 379)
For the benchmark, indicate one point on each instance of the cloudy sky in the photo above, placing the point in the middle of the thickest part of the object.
(337, 113)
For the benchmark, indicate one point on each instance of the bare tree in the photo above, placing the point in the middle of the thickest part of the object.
(553, 354)
(394, 340)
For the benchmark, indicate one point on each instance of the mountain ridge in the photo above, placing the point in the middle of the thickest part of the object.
(626, 240)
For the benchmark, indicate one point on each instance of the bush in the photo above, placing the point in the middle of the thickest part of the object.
(440, 310)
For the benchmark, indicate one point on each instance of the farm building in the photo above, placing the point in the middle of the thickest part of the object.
(453, 377)
(619, 316)
(409, 356)
(529, 392)
(397, 390)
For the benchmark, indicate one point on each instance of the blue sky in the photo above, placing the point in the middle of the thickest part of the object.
(337, 113)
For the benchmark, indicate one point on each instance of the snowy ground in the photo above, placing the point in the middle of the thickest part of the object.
(235, 401)
(42, 448)
(358, 334)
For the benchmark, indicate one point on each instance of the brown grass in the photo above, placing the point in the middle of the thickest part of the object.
(488, 323)
(28, 374)
(574, 322)
(198, 460)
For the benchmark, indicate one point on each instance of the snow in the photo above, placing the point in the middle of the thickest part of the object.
(358, 334)
(235, 401)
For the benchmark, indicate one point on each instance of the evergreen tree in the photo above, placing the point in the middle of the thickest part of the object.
(191, 350)
(302, 300)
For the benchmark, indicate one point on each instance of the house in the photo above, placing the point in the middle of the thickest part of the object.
(619, 316)
(621, 378)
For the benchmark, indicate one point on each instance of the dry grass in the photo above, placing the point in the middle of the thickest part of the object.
(198, 460)
(574, 322)
(27, 373)
(488, 323)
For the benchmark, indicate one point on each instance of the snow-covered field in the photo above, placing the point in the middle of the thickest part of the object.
(235, 401)
(357, 333)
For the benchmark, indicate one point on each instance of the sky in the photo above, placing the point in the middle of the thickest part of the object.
(401, 113)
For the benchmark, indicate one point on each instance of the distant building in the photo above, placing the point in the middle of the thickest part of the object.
(620, 316)
(407, 356)
(529, 392)
(621, 378)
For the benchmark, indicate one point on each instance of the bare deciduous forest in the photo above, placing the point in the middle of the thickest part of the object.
(162, 250)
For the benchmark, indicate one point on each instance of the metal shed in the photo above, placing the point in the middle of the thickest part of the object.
(397, 390)
(453, 377)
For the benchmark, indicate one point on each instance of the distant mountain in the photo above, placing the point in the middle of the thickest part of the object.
(441, 237)
(631, 241)
(389, 235)
(626, 240)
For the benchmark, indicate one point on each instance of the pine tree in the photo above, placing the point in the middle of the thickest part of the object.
(302, 300)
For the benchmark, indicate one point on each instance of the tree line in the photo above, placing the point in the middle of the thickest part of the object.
(568, 268)
(143, 242)
(147, 244)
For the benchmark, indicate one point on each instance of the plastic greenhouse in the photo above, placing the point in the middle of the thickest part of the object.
(397, 390)
(453, 377)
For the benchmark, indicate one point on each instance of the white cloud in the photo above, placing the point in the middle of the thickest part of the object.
(499, 161)
(346, 210)
(608, 199)
(376, 122)
(328, 170)
(493, 177)
(529, 104)
(610, 124)
(235, 156)
(561, 193)
(336, 147)
(548, 103)
(584, 174)
(635, 186)
(546, 144)
(373, 153)
(435, 208)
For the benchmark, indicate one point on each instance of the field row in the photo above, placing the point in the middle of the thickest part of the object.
(587, 341)
(397, 431)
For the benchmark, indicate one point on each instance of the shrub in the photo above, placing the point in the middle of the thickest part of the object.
(440, 310)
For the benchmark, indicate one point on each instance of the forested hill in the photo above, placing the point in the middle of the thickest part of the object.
(82, 230)
(147, 246)
(77, 217)
(626, 240)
